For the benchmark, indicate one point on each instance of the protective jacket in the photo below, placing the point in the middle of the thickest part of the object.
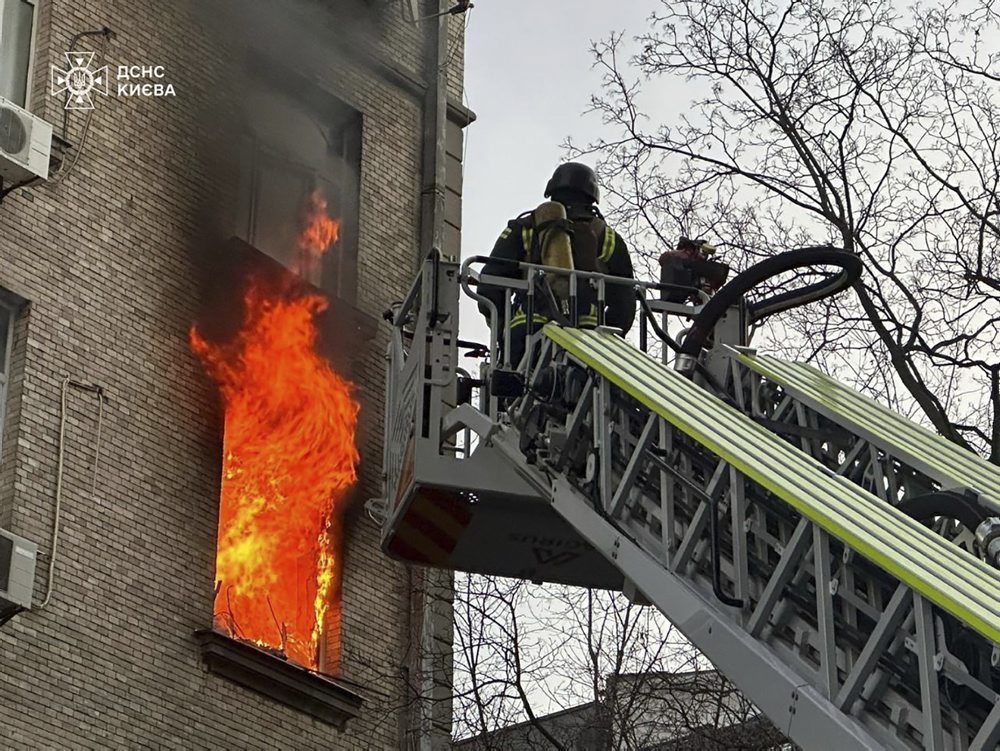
(596, 247)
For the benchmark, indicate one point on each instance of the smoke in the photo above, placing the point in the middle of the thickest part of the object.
(279, 41)
(301, 34)
(283, 65)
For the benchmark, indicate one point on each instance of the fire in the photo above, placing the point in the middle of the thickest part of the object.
(319, 231)
(288, 457)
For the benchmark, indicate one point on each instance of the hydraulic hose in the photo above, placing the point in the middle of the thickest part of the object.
(821, 255)
(650, 318)
(947, 503)
(725, 599)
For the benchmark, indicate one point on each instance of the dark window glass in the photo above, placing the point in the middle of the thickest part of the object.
(16, 20)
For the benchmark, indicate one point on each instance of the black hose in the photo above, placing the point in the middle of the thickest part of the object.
(712, 381)
(435, 256)
(946, 503)
(962, 507)
(725, 599)
(823, 255)
(647, 313)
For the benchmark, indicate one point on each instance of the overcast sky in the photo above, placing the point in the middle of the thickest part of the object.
(528, 78)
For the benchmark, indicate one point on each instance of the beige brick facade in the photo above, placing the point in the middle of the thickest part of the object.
(111, 261)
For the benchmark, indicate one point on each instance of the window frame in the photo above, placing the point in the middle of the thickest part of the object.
(263, 157)
(32, 42)
(10, 308)
(342, 126)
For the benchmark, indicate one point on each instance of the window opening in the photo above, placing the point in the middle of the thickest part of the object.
(17, 40)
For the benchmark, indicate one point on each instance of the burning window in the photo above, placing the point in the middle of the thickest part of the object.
(291, 147)
(289, 458)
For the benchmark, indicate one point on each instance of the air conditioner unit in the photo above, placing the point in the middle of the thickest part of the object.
(25, 145)
(17, 573)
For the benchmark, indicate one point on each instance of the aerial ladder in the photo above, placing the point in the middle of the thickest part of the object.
(837, 562)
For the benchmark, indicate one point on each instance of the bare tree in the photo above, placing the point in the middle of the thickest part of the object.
(832, 121)
(576, 668)
(809, 121)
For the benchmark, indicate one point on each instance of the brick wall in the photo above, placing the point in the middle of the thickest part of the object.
(111, 260)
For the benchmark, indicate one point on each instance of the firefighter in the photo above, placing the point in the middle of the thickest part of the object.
(572, 215)
(689, 268)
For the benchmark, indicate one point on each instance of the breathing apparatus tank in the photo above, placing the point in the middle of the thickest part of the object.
(556, 247)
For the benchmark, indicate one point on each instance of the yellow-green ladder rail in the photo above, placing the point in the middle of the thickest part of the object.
(877, 585)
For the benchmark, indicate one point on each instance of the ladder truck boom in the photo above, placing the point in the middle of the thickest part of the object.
(835, 561)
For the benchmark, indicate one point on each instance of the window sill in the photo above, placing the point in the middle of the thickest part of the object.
(318, 696)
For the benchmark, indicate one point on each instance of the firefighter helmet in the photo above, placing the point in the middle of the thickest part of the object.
(574, 177)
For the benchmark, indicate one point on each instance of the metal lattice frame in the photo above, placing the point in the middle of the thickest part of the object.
(904, 460)
(838, 652)
(858, 641)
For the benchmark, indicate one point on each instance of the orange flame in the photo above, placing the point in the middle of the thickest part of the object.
(288, 458)
(319, 231)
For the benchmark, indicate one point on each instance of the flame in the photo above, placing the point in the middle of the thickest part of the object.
(289, 456)
(319, 231)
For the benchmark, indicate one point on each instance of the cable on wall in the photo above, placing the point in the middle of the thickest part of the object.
(106, 34)
(60, 464)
